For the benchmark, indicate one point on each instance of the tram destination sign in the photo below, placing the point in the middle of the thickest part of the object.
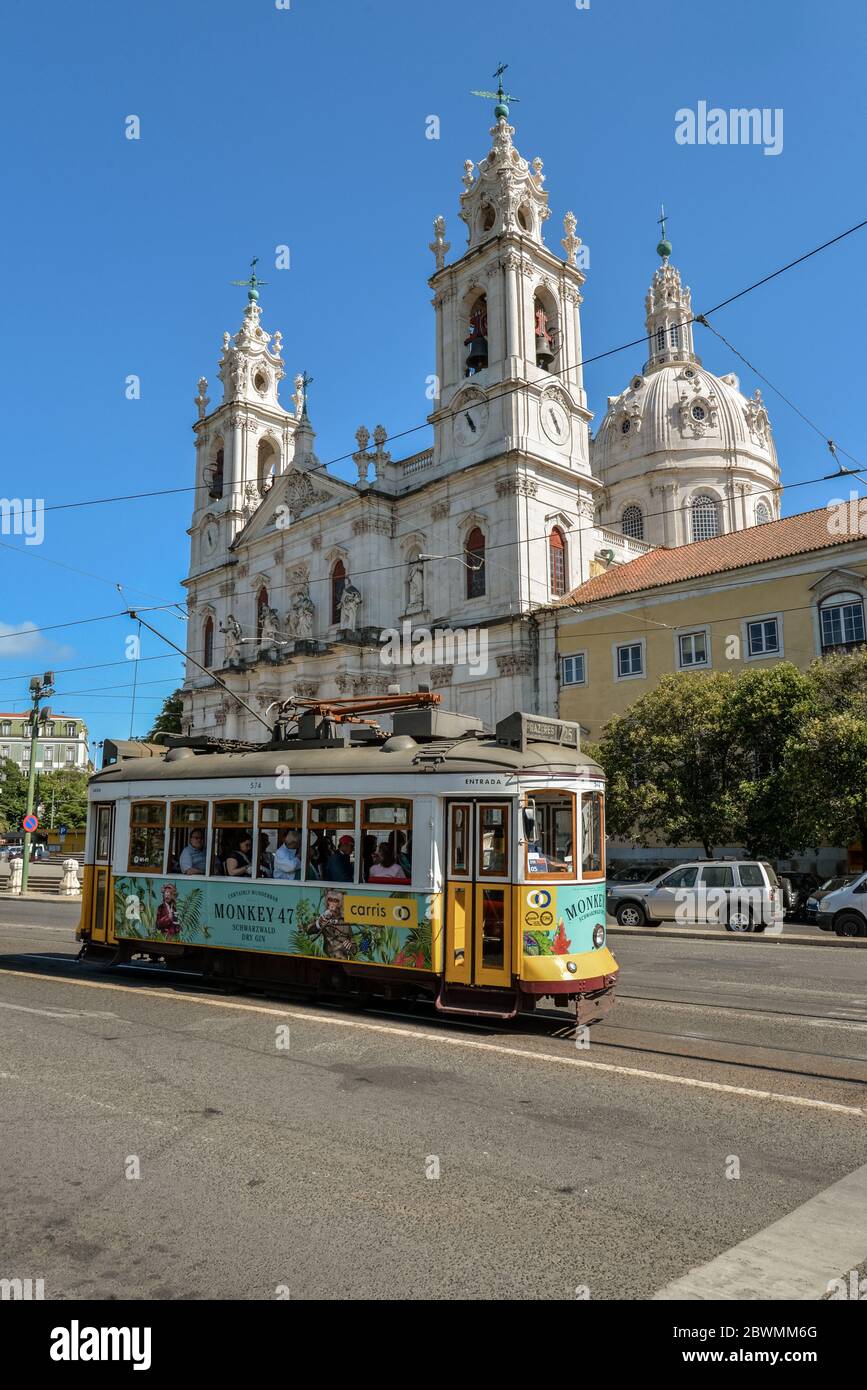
(517, 730)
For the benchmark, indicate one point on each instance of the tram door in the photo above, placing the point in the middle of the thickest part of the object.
(101, 895)
(478, 936)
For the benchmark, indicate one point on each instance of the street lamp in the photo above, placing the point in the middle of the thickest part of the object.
(40, 688)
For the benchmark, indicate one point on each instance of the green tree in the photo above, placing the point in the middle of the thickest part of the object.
(767, 711)
(168, 721)
(826, 757)
(13, 796)
(63, 795)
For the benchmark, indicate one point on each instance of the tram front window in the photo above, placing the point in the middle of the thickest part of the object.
(549, 820)
(591, 835)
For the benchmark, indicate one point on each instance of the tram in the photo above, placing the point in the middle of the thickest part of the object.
(435, 860)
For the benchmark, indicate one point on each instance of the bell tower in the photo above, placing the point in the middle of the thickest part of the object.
(247, 440)
(508, 327)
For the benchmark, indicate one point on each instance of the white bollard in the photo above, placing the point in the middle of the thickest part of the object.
(16, 869)
(69, 883)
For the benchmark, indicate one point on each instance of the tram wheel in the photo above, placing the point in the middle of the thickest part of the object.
(631, 915)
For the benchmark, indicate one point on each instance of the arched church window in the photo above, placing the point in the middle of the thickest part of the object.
(705, 518)
(477, 337)
(660, 340)
(261, 610)
(674, 335)
(557, 562)
(762, 513)
(632, 523)
(487, 217)
(208, 643)
(474, 559)
(338, 584)
(545, 328)
(215, 487)
(266, 465)
(525, 218)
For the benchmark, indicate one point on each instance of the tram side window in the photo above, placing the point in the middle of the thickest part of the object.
(147, 837)
(232, 851)
(331, 847)
(386, 842)
(279, 841)
(549, 820)
(591, 835)
(494, 840)
(188, 837)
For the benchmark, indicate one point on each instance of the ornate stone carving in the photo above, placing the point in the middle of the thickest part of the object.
(350, 603)
(271, 634)
(757, 418)
(439, 510)
(233, 637)
(202, 400)
(316, 543)
(441, 675)
(439, 245)
(513, 663)
(299, 620)
(570, 242)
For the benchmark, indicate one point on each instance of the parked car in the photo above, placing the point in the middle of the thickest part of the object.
(797, 888)
(36, 852)
(839, 905)
(638, 873)
(742, 894)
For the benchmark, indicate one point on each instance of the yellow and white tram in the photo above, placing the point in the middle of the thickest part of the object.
(435, 861)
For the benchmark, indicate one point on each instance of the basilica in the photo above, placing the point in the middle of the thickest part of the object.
(434, 569)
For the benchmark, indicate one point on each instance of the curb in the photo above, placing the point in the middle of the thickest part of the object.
(694, 934)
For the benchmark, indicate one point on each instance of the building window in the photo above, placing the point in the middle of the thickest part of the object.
(48, 756)
(674, 335)
(70, 755)
(474, 559)
(660, 340)
(557, 562)
(630, 660)
(632, 523)
(49, 729)
(573, 669)
(71, 729)
(763, 637)
(266, 465)
(705, 518)
(6, 728)
(5, 751)
(692, 649)
(762, 514)
(261, 610)
(208, 659)
(842, 621)
(338, 584)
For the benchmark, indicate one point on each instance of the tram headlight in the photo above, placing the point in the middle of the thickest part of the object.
(598, 935)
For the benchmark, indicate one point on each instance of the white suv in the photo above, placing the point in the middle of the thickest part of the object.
(845, 910)
(743, 895)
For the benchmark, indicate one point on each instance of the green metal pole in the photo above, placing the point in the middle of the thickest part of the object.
(31, 788)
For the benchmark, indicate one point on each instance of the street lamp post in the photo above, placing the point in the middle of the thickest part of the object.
(40, 688)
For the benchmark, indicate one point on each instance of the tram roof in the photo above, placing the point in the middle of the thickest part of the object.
(396, 757)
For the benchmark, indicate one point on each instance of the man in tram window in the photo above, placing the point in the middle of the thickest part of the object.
(287, 860)
(265, 867)
(339, 867)
(192, 859)
(337, 937)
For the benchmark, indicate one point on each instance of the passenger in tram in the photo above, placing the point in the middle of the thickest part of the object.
(287, 860)
(339, 867)
(387, 870)
(192, 860)
(238, 861)
(265, 867)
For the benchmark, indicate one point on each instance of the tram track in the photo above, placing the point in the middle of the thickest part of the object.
(745, 1055)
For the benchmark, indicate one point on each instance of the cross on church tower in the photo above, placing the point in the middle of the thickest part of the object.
(664, 247)
(252, 284)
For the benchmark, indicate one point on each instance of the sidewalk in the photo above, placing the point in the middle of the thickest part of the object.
(791, 938)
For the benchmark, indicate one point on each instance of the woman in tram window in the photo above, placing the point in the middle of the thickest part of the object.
(387, 870)
(238, 861)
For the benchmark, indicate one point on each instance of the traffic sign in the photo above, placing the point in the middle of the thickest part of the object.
(30, 823)
(62, 831)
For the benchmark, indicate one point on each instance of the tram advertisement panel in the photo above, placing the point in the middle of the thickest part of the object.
(380, 927)
(558, 919)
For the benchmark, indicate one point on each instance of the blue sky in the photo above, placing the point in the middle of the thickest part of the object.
(263, 126)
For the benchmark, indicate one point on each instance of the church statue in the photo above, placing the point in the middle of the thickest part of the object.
(234, 636)
(301, 616)
(542, 324)
(271, 635)
(416, 584)
(350, 603)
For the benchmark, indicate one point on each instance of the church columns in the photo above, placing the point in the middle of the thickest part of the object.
(513, 303)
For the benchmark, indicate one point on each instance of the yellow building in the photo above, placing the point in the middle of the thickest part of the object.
(787, 590)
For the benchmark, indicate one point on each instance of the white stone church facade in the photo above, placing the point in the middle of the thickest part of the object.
(305, 586)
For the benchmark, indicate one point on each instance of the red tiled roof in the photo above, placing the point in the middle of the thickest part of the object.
(756, 545)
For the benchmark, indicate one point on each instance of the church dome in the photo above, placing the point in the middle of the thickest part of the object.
(679, 435)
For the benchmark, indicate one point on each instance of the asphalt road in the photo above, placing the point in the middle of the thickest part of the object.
(166, 1141)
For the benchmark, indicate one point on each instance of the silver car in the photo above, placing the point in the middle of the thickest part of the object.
(742, 895)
